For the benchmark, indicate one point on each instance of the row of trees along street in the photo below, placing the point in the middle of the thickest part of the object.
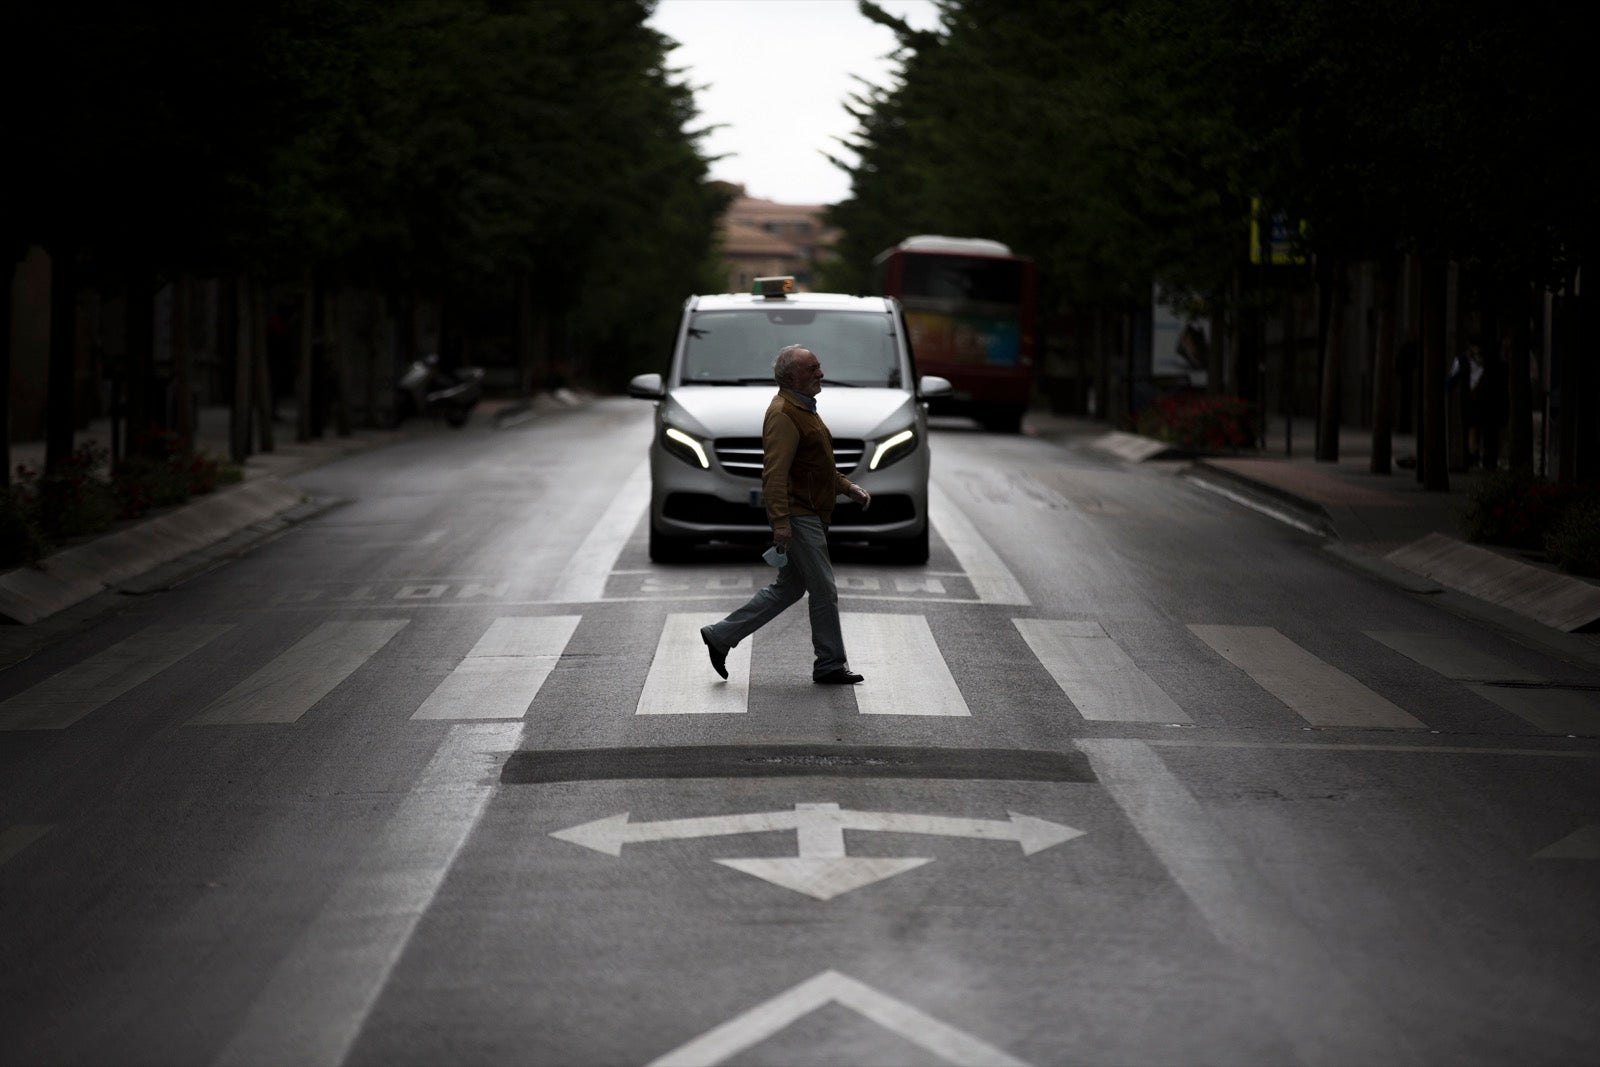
(1432, 155)
(340, 185)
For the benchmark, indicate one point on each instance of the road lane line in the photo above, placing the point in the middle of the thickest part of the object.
(1321, 694)
(504, 671)
(67, 696)
(754, 1025)
(1096, 674)
(1452, 657)
(905, 672)
(681, 681)
(288, 686)
(584, 579)
(1325, 1015)
(992, 582)
(319, 996)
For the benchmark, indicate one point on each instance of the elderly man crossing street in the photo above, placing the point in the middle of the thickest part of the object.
(800, 483)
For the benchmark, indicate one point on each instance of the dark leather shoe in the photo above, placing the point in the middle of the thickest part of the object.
(719, 656)
(837, 677)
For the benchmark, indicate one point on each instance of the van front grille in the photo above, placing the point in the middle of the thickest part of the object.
(741, 456)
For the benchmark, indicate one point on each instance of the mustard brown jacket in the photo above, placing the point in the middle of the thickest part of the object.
(798, 476)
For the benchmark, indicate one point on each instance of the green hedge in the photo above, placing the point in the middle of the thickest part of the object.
(1521, 511)
(44, 511)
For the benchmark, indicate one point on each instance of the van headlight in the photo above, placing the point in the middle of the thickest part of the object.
(685, 446)
(893, 448)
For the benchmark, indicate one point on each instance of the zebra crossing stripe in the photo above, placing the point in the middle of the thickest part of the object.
(67, 696)
(288, 686)
(1553, 711)
(1094, 672)
(1452, 657)
(1319, 693)
(904, 670)
(681, 681)
(503, 673)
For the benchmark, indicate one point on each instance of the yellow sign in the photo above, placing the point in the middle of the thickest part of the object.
(1280, 245)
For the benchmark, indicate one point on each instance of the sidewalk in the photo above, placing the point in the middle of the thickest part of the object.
(150, 553)
(1385, 524)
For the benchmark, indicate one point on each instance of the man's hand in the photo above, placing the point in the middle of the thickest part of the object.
(780, 537)
(859, 495)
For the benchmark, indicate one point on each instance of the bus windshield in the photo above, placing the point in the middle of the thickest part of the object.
(737, 347)
(961, 280)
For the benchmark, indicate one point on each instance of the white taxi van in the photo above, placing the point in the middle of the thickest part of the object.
(705, 457)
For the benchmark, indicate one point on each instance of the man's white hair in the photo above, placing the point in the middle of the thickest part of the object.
(783, 366)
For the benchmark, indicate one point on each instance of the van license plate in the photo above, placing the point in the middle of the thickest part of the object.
(756, 499)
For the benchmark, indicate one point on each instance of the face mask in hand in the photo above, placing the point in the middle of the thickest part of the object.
(775, 556)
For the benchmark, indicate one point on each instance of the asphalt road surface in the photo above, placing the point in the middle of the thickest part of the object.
(442, 775)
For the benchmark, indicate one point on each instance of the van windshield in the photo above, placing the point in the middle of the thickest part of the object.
(737, 347)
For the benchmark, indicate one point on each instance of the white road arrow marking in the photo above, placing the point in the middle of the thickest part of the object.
(755, 1025)
(822, 869)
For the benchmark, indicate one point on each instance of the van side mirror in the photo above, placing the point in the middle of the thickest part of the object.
(933, 387)
(646, 387)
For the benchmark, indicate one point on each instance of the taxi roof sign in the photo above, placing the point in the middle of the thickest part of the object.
(773, 288)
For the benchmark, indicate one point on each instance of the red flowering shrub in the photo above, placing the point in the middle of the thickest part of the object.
(79, 499)
(1518, 510)
(1199, 422)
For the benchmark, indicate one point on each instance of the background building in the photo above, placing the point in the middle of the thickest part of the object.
(761, 238)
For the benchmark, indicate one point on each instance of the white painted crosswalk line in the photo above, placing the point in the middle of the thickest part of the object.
(1555, 711)
(992, 581)
(502, 674)
(1321, 694)
(1452, 657)
(681, 681)
(905, 672)
(64, 698)
(288, 686)
(1094, 672)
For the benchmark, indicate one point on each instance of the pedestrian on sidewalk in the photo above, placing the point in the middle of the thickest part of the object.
(800, 484)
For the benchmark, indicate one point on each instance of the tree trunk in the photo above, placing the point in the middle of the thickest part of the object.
(263, 365)
(1332, 367)
(1291, 357)
(1519, 387)
(59, 401)
(524, 319)
(13, 260)
(302, 382)
(333, 347)
(239, 430)
(1383, 374)
(1434, 459)
(182, 398)
(138, 323)
(374, 346)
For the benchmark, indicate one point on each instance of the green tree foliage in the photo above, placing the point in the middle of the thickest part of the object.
(428, 148)
(1118, 142)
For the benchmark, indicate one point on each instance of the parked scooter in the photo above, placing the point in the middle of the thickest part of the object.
(428, 389)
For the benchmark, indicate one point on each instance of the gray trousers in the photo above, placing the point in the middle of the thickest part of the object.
(809, 570)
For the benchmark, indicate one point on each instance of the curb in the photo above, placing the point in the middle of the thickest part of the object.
(75, 574)
(157, 551)
(1270, 500)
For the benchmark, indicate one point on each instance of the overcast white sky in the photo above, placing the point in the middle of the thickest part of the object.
(776, 74)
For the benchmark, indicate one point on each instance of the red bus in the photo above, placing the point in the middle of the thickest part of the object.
(969, 306)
